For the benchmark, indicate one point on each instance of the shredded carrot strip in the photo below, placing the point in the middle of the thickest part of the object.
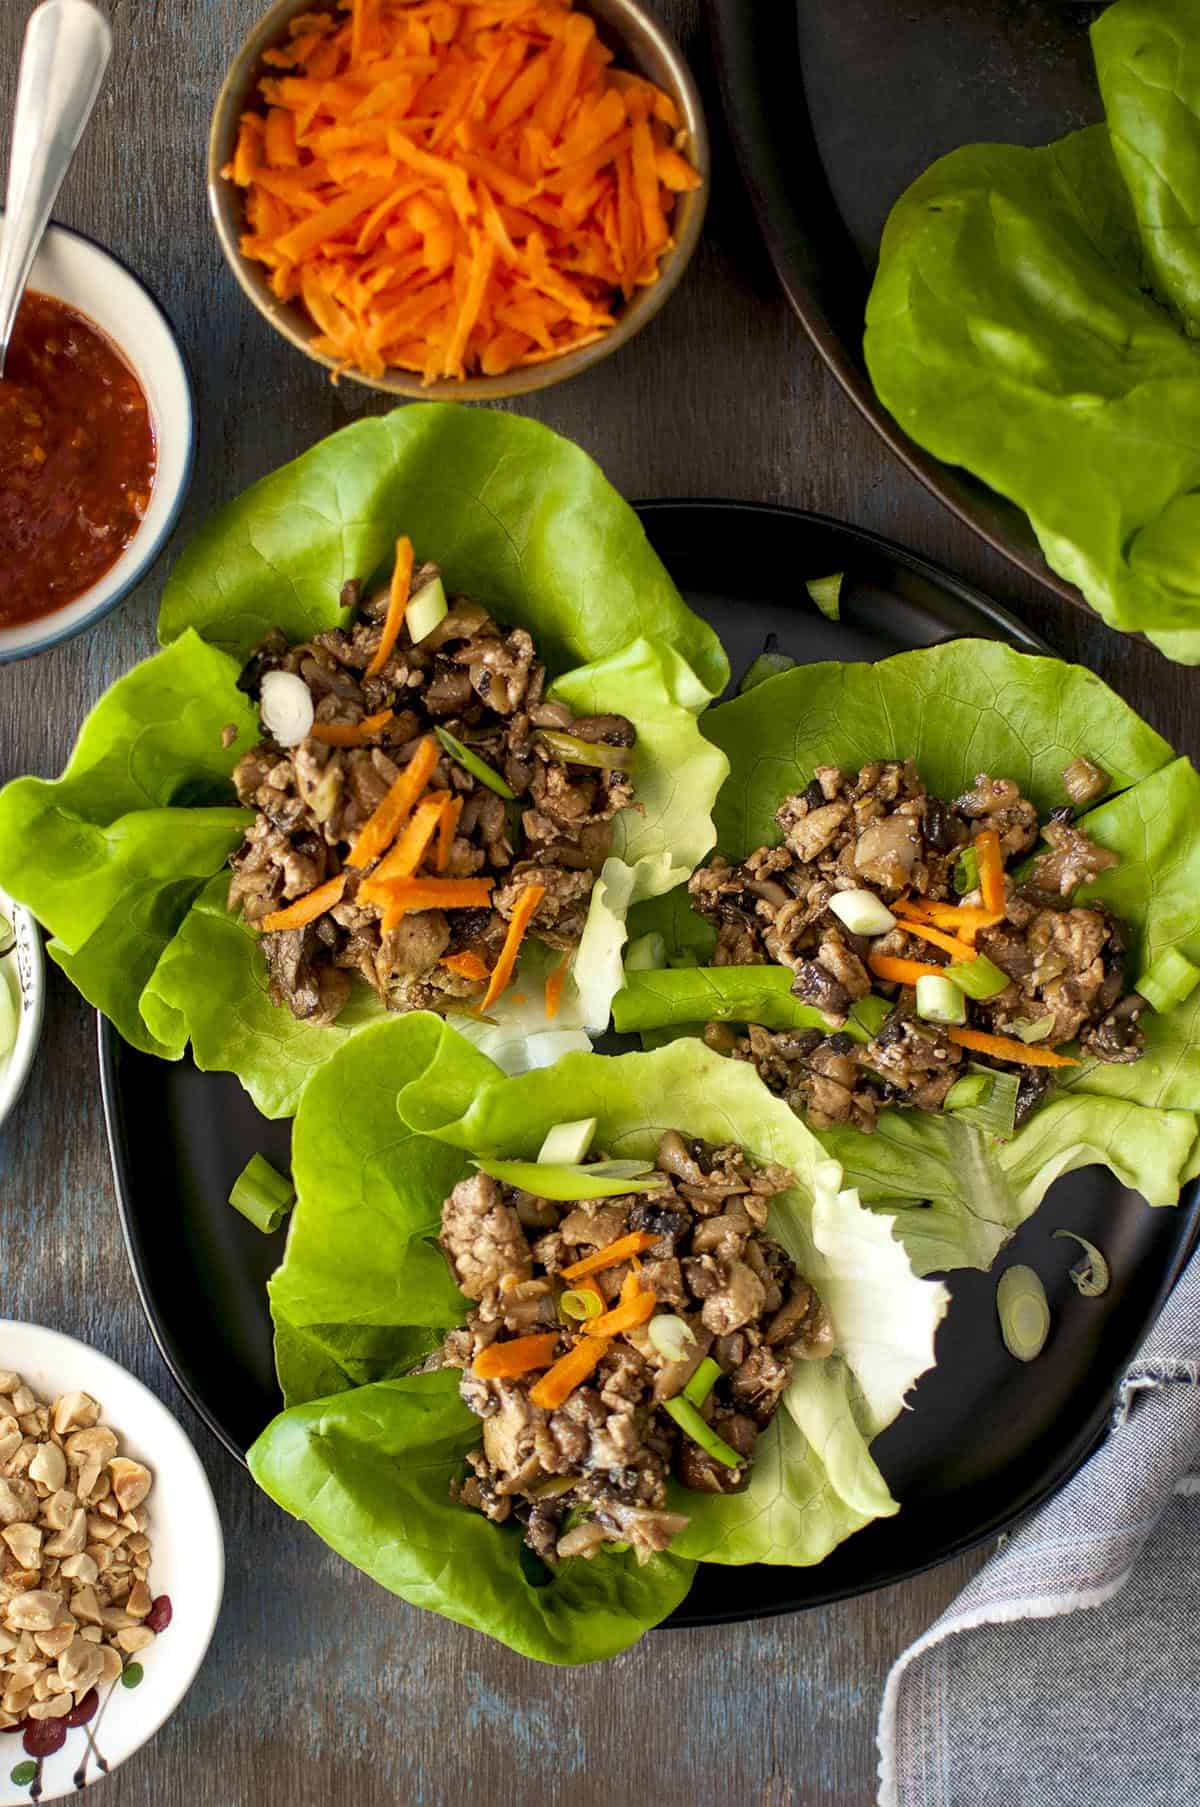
(306, 909)
(951, 944)
(467, 965)
(380, 829)
(477, 111)
(1005, 1047)
(523, 914)
(554, 986)
(625, 1316)
(518, 1356)
(958, 918)
(350, 734)
(569, 1371)
(902, 972)
(408, 851)
(635, 1243)
(397, 603)
(447, 828)
(439, 893)
(991, 869)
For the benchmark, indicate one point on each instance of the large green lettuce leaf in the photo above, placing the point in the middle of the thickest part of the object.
(1009, 329)
(112, 856)
(362, 1280)
(959, 709)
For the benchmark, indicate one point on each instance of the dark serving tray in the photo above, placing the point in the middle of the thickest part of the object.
(834, 109)
(987, 1438)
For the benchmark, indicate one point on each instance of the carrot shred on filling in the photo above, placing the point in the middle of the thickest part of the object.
(306, 909)
(625, 1316)
(523, 913)
(951, 944)
(397, 603)
(467, 965)
(405, 895)
(545, 182)
(569, 1371)
(447, 829)
(409, 850)
(902, 972)
(991, 869)
(554, 986)
(521, 1355)
(351, 734)
(622, 1249)
(1005, 1047)
(961, 919)
(381, 828)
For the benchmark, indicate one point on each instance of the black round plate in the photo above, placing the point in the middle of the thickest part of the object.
(987, 1437)
(835, 109)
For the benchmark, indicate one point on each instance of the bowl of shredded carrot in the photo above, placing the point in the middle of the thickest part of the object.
(467, 198)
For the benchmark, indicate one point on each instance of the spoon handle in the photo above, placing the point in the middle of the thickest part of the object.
(67, 47)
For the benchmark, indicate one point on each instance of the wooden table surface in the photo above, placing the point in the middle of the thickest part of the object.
(319, 1687)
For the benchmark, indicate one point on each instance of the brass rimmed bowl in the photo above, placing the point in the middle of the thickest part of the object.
(641, 45)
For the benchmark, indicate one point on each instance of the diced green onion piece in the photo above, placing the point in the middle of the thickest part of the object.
(471, 762)
(703, 1381)
(426, 609)
(938, 1001)
(9, 1016)
(1023, 1312)
(580, 1305)
(671, 1336)
(1168, 980)
(647, 954)
(862, 912)
(567, 1143)
(586, 752)
(871, 1013)
(603, 1179)
(1089, 1276)
(692, 1425)
(826, 592)
(767, 665)
(979, 978)
(966, 872)
(263, 1196)
(967, 1092)
(996, 1111)
(1032, 1032)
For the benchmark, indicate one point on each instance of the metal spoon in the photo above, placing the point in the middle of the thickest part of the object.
(67, 47)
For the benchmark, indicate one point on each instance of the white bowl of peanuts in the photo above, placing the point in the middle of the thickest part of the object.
(111, 1564)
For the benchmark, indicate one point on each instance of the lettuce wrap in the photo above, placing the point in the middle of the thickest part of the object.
(121, 857)
(1034, 319)
(956, 710)
(366, 1451)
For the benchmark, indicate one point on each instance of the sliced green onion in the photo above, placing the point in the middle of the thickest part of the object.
(979, 978)
(647, 954)
(938, 1001)
(471, 762)
(862, 912)
(603, 1179)
(1168, 980)
(826, 592)
(870, 1013)
(671, 1336)
(996, 1111)
(703, 1381)
(9, 1016)
(426, 609)
(966, 872)
(1032, 1032)
(968, 1092)
(580, 1305)
(263, 1196)
(587, 752)
(767, 665)
(1023, 1312)
(567, 1143)
(1089, 1276)
(692, 1425)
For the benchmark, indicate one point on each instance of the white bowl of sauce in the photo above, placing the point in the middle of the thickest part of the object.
(22, 998)
(97, 437)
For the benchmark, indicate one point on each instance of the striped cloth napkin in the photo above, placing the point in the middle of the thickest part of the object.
(1067, 1674)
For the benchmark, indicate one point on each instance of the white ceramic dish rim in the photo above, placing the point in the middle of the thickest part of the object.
(31, 1001)
(53, 1362)
(75, 269)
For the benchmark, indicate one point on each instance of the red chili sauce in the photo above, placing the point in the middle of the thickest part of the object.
(77, 459)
